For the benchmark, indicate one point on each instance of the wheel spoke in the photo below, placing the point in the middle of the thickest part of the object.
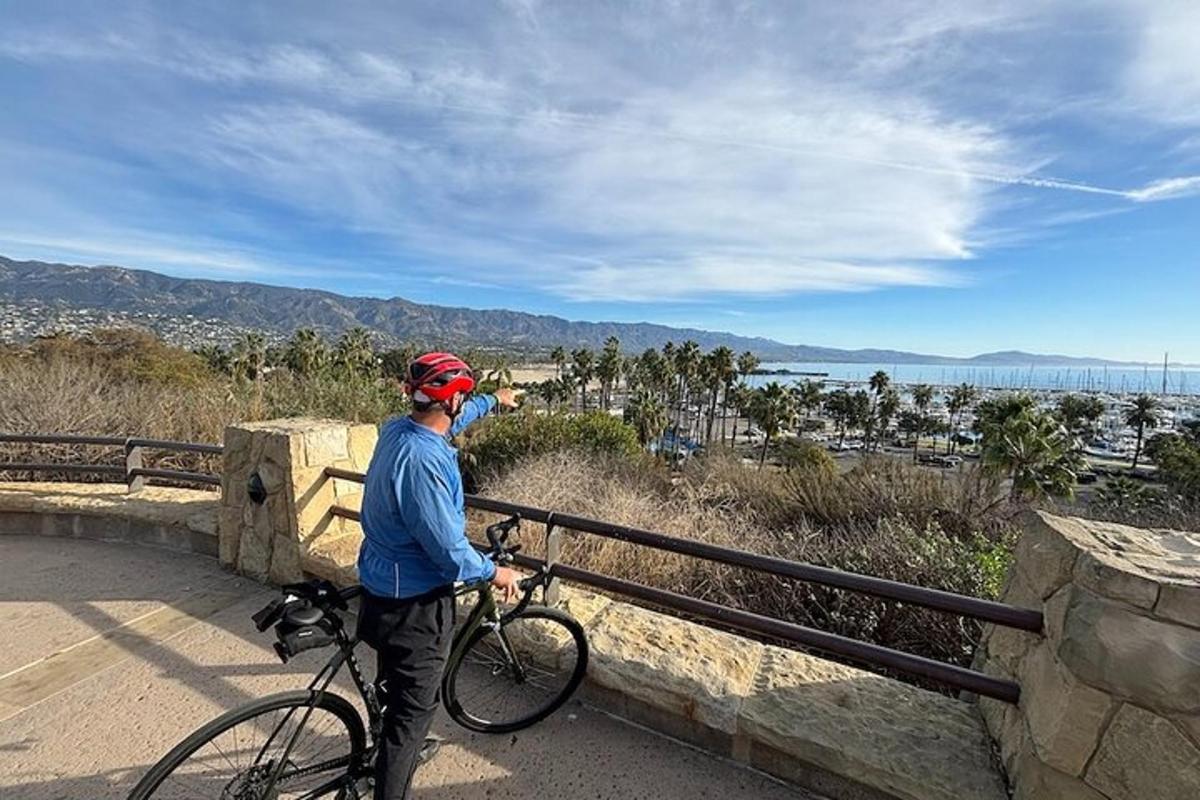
(484, 687)
(214, 768)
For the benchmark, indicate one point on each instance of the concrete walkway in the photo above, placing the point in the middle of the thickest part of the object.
(112, 653)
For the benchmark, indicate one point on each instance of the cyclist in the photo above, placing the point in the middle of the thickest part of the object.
(414, 549)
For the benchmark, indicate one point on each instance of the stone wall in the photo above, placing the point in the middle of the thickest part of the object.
(160, 516)
(268, 539)
(1110, 695)
(843, 732)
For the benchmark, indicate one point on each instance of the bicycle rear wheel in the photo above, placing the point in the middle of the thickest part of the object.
(234, 756)
(511, 677)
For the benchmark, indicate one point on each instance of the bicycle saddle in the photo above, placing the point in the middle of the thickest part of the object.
(299, 616)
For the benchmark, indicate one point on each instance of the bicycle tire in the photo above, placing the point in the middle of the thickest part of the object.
(338, 706)
(472, 720)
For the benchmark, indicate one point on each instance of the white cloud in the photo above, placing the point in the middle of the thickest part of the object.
(697, 150)
(1163, 76)
(1167, 189)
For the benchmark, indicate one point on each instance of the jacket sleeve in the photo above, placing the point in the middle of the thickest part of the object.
(428, 510)
(473, 409)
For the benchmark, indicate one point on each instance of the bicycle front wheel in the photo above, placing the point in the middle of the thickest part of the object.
(510, 677)
(307, 744)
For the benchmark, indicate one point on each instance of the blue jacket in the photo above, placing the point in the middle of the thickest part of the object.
(413, 520)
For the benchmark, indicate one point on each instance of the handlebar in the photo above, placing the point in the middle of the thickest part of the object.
(497, 533)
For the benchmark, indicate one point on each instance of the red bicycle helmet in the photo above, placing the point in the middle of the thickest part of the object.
(436, 377)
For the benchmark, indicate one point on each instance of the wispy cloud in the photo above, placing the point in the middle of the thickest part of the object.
(701, 150)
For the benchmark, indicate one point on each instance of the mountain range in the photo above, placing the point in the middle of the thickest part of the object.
(281, 310)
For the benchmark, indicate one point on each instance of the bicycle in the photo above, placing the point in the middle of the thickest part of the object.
(312, 743)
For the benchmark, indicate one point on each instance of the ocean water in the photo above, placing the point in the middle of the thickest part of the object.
(1076, 379)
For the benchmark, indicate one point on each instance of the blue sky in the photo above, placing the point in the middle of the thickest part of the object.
(946, 177)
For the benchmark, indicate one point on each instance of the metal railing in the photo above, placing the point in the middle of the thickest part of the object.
(948, 674)
(134, 471)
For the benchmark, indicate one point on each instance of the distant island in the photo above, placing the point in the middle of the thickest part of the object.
(281, 310)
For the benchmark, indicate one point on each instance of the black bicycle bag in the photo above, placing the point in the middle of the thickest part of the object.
(301, 629)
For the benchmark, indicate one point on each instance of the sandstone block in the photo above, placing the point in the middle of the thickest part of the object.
(1143, 755)
(1046, 552)
(254, 546)
(229, 533)
(1036, 781)
(333, 558)
(285, 560)
(1054, 613)
(326, 443)
(1065, 717)
(314, 497)
(581, 604)
(1154, 663)
(1007, 647)
(1007, 727)
(685, 669)
(1103, 573)
(1179, 602)
(362, 445)
(899, 740)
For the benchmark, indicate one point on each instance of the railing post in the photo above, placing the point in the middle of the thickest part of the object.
(553, 553)
(133, 460)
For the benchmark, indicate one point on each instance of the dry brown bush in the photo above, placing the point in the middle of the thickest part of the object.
(75, 396)
(719, 504)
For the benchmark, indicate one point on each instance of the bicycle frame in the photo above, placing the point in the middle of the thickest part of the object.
(486, 613)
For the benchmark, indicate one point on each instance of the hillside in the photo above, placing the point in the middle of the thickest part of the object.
(282, 309)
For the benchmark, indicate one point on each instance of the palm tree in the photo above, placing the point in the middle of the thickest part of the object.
(709, 380)
(772, 409)
(878, 384)
(306, 353)
(742, 395)
(583, 367)
(888, 406)
(608, 370)
(922, 397)
(548, 391)
(1036, 451)
(648, 415)
(1124, 494)
(559, 356)
(809, 397)
(687, 362)
(960, 400)
(249, 356)
(353, 353)
(839, 405)
(745, 365)
(725, 371)
(1144, 414)
(215, 356)
(1080, 413)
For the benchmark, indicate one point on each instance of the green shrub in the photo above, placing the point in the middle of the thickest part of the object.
(349, 397)
(500, 442)
(806, 456)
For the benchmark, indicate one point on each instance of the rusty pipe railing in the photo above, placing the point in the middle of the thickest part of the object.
(948, 674)
(135, 472)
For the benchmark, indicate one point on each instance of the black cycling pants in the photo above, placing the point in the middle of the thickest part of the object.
(412, 640)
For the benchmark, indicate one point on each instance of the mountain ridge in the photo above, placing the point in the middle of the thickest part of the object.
(281, 310)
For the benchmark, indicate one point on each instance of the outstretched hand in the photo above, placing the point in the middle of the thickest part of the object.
(507, 396)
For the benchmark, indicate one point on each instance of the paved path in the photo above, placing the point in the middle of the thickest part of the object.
(111, 653)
